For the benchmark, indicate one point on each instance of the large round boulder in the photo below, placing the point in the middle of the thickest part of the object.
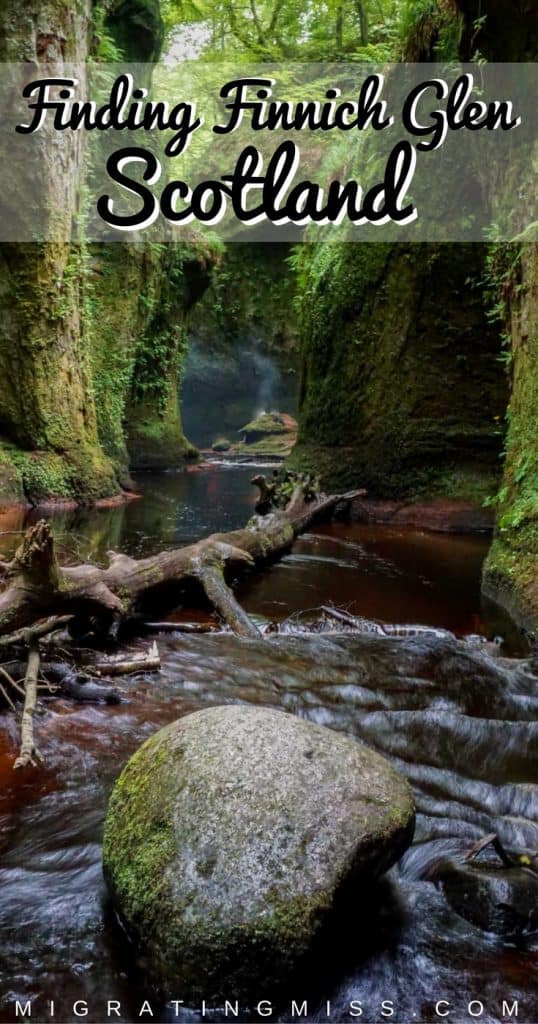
(230, 836)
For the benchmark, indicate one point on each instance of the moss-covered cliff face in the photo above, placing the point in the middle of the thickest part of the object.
(38, 30)
(177, 276)
(243, 343)
(136, 27)
(401, 386)
(137, 302)
(505, 30)
(511, 571)
(48, 426)
(48, 430)
(91, 337)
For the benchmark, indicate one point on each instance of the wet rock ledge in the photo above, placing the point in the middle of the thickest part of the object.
(232, 835)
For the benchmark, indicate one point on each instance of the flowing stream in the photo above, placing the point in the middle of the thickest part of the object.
(459, 722)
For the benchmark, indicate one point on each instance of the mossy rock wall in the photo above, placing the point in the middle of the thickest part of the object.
(115, 322)
(91, 337)
(137, 303)
(401, 387)
(34, 30)
(243, 343)
(156, 439)
(508, 31)
(137, 28)
(48, 431)
(511, 571)
(176, 277)
(91, 350)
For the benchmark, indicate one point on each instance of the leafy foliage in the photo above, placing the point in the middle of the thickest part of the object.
(258, 30)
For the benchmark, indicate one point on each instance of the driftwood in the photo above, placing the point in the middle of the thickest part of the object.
(37, 586)
(341, 616)
(223, 600)
(62, 679)
(510, 858)
(28, 753)
(122, 666)
(11, 685)
(277, 492)
(37, 632)
(79, 686)
(266, 498)
(177, 627)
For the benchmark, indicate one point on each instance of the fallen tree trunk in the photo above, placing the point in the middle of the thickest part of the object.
(224, 602)
(37, 586)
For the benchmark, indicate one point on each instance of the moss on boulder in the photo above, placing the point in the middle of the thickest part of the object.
(232, 834)
(269, 434)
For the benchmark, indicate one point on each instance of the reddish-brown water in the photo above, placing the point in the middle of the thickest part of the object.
(459, 723)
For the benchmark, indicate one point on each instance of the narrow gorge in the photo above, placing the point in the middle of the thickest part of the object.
(280, 737)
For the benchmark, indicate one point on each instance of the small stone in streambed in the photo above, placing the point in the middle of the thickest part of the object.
(231, 835)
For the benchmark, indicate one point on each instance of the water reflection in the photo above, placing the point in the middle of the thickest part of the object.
(377, 572)
(175, 508)
(397, 575)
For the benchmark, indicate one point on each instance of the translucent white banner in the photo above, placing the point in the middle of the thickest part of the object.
(345, 152)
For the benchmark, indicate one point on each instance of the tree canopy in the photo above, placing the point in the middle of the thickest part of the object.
(274, 30)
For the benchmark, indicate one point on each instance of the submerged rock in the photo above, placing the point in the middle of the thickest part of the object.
(231, 835)
(496, 899)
